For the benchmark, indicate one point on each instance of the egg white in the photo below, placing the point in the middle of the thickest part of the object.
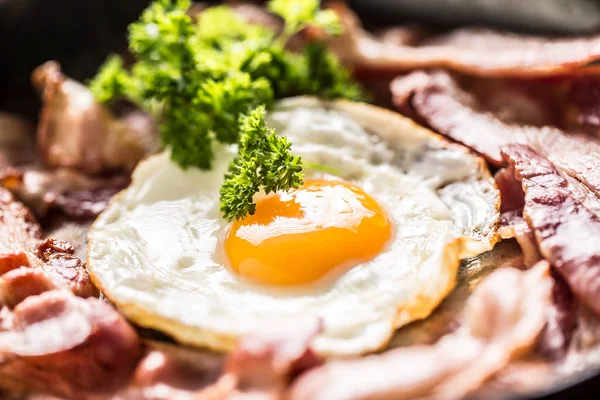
(155, 252)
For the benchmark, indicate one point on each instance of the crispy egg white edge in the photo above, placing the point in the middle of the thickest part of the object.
(391, 127)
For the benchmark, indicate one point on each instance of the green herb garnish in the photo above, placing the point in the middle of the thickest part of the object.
(212, 80)
(264, 161)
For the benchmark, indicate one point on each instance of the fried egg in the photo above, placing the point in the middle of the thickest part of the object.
(371, 241)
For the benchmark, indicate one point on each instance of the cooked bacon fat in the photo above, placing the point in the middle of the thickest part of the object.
(77, 132)
(437, 100)
(171, 372)
(558, 331)
(448, 109)
(471, 51)
(20, 283)
(18, 232)
(62, 190)
(565, 229)
(68, 346)
(56, 258)
(18, 228)
(500, 325)
(21, 246)
(511, 194)
(262, 366)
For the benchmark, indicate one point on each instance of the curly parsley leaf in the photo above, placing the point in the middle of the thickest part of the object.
(264, 161)
(113, 81)
(210, 80)
(300, 14)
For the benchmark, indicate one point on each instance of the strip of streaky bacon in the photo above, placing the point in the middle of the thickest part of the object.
(169, 371)
(56, 258)
(22, 248)
(560, 326)
(74, 232)
(438, 101)
(58, 343)
(512, 225)
(565, 229)
(467, 50)
(77, 132)
(500, 325)
(19, 231)
(263, 365)
(62, 190)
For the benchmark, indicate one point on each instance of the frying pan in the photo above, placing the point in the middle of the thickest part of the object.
(80, 33)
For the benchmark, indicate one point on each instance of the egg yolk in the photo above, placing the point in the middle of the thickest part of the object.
(303, 235)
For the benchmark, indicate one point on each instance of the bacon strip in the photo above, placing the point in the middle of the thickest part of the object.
(263, 365)
(437, 100)
(564, 228)
(172, 372)
(501, 325)
(472, 51)
(559, 328)
(440, 103)
(511, 194)
(21, 245)
(18, 232)
(77, 132)
(20, 283)
(62, 344)
(56, 258)
(63, 189)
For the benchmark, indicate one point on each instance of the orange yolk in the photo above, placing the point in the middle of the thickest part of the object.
(301, 236)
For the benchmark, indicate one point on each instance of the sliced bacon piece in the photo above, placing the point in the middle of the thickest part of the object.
(20, 283)
(65, 190)
(501, 325)
(172, 372)
(56, 258)
(564, 228)
(472, 51)
(584, 347)
(11, 261)
(514, 226)
(441, 104)
(77, 132)
(263, 365)
(511, 194)
(521, 102)
(437, 100)
(559, 328)
(68, 346)
(74, 232)
(403, 373)
(18, 232)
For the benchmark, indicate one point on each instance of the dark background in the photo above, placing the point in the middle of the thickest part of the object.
(80, 33)
(77, 33)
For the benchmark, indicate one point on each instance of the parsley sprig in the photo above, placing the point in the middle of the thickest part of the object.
(264, 160)
(212, 79)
